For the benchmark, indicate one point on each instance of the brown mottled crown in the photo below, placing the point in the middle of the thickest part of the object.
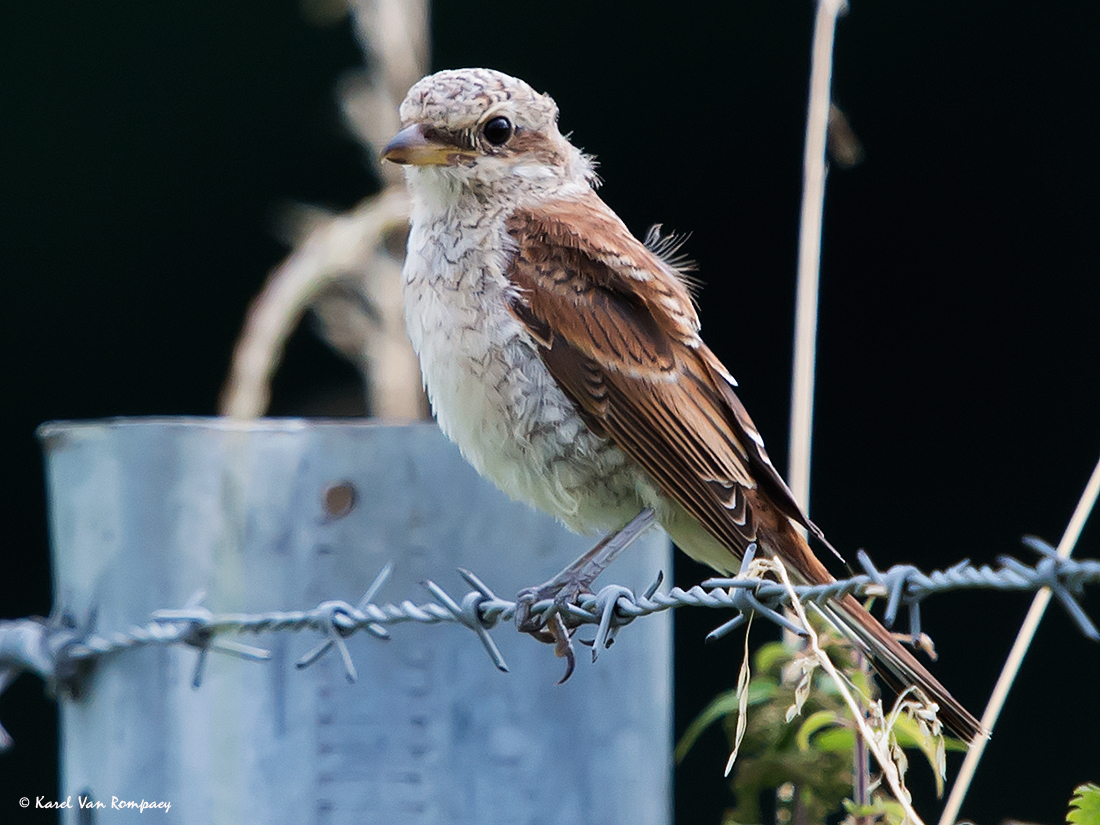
(456, 99)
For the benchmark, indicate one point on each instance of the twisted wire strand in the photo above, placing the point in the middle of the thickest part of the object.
(57, 649)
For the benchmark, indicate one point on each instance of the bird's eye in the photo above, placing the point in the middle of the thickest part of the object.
(497, 131)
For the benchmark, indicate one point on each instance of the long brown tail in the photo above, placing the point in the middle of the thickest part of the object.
(897, 666)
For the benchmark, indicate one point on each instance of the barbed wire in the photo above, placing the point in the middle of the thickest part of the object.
(61, 649)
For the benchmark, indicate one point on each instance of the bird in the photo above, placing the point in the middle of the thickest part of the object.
(563, 355)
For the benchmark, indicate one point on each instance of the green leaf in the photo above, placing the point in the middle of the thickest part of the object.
(723, 705)
(814, 722)
(836, 740)
(909, 735)
(770, 656)
(1084, 808)
(884, 809)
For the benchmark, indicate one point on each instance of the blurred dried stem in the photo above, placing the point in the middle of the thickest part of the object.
(346, 268)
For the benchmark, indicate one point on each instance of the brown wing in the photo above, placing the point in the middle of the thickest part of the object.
(618, 330)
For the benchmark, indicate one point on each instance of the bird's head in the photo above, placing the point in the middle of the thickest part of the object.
(482, 129)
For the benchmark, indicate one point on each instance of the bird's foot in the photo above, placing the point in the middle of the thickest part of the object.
(548, 625)
(553, 624)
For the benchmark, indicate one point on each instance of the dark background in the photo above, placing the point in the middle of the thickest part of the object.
(147, 149)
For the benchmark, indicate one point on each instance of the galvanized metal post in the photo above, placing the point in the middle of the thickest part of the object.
(284, 514)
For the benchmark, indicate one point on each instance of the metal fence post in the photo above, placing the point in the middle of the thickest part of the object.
(284, 514)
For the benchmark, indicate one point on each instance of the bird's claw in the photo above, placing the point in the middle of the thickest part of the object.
(568, 586)
(560, 591)
(549, 627)
(563, 646)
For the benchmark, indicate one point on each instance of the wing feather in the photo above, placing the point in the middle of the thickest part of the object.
(618, 330)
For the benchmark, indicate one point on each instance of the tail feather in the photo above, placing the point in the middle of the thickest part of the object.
(899, 668)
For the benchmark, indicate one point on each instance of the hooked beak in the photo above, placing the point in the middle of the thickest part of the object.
(412, 146)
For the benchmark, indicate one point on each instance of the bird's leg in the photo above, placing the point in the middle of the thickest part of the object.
(570, 583)
(577, 578)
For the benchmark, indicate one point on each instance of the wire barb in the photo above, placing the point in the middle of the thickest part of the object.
(373, 628)
(61, 649)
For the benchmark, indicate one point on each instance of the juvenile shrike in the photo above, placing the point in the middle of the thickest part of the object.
(563, 355)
